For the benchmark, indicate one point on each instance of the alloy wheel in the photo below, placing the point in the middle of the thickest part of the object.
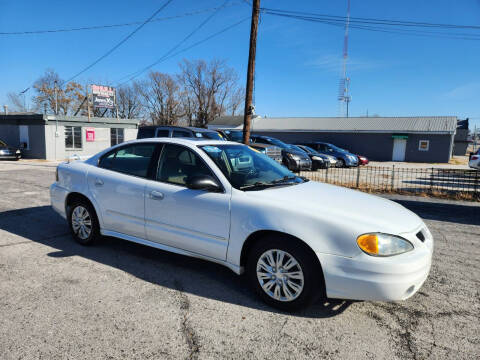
(280, 275)
(81, 222)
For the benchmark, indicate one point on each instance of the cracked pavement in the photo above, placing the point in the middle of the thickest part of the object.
(123, 300)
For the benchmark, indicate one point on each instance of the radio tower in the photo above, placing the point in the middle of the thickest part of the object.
(343, 91)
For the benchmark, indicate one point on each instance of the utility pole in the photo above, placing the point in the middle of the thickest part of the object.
(247, 117)
(56, 98)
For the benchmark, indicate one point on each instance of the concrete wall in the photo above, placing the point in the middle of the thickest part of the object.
(55, 145)
(378, 147)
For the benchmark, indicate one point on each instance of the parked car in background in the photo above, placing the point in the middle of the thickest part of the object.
(293, 159)
(474, 161)
(232, 135)
(329, 161)
(224, 202)
(9, 152)
(362, 160)
(272, 151)
(318, 162)
(344, 158)
(177, 131)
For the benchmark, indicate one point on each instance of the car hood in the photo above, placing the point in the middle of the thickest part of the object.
(364, 212)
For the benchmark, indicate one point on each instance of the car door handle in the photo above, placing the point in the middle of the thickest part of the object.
(156, 195)
(98, 182)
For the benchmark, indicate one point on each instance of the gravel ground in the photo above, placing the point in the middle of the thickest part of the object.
(123, 300)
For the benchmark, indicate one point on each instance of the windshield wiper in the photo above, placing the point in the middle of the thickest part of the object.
(264, 185)
(284, 179)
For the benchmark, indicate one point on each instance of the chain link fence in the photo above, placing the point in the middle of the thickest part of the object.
(454, 183)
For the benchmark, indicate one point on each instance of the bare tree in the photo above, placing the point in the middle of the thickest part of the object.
(17, 102)
(236, 101)
(161, 98)
(209, 87)
(68, 95)
(128, 102)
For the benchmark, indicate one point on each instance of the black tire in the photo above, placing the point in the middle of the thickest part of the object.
(95, 228)
(312, 275)
(340, 163)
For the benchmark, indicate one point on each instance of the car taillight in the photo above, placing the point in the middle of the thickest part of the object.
(474, 157)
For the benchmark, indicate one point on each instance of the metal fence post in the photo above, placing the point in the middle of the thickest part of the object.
(358, 176)
(393, 176)
(431, 181)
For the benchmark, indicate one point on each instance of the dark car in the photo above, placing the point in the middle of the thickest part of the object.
(8, 152)
(344, 157)
(319, 161)
(232, 135)
(293, 159)
(177, 131)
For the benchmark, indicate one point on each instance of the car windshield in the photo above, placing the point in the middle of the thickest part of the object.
(309, 149)
(297, 148)
(210, 135)
(248, 169)
(335, 148)
(2, 144)
(234, 135)
(273, 141)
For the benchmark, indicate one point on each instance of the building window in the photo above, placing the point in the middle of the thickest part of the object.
(423, 145)
(116, 136)
(73, 137)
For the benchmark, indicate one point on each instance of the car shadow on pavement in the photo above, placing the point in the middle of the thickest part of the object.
(444, 211)
(177, 272)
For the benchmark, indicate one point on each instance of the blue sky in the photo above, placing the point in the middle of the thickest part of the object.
(298, 63)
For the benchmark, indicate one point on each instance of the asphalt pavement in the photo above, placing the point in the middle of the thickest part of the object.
(122, 300)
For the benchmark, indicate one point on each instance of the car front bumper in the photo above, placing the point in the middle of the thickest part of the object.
(365, 277)
(58, 196)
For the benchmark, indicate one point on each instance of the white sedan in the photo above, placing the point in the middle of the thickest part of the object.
(226, 202)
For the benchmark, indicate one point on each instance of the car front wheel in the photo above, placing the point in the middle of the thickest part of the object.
(283, 273)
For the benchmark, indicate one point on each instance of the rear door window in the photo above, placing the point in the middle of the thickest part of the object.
(131, 160)
(181, 133)
(145, 133)
(163, 133)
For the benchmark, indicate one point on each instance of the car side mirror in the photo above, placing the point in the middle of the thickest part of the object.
(203, 182)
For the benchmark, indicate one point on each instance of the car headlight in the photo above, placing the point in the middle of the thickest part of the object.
(293, 156)
(317, 158)
(17, 152)
(379, 244)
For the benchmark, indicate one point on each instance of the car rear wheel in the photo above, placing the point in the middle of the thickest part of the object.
(83, 222)
(283, 273)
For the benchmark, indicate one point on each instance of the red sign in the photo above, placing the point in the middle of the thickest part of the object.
(90, 134)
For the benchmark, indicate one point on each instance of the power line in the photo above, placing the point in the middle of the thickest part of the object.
(368, 20)
(386, 29)
(99, 27)
(137, 73)
(195, 44)
(121, 42)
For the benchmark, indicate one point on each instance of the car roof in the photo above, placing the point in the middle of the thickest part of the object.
(192, 128)
(184, 141)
